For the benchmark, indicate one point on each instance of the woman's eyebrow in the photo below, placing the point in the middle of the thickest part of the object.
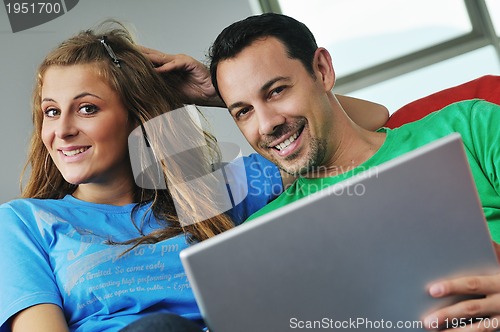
(81, 95)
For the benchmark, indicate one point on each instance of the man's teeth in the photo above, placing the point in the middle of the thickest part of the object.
(74, 152)
(287, 142)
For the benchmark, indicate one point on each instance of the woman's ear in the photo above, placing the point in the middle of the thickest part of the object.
(133, 122)
(323, 68)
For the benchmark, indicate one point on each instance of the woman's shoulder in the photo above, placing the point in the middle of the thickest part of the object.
(66, 215)
(66, 203)
(29, 209)
(25, 211)
(22, 204)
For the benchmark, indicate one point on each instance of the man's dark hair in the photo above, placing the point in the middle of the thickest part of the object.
(295, 36)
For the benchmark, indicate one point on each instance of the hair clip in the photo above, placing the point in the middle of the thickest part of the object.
(110, 51)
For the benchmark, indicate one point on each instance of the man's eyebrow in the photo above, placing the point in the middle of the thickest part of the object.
(235, 105)
(270, 83)
(81, 95)
(264, 88)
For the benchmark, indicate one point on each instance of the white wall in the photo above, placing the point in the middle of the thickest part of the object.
(174, 26)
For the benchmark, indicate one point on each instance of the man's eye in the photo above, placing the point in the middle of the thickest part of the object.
(277, 91)
(51, 112)
(88, 109)
(242, 112)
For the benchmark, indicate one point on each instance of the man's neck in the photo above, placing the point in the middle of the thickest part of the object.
(354, 152)
(349, 147)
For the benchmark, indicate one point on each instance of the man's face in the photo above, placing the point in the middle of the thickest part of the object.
(280, 107)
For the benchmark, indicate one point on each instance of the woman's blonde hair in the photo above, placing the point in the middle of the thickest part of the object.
(146, 95)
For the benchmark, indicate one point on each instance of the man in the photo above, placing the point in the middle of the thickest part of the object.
(265, 181)
(277, 84)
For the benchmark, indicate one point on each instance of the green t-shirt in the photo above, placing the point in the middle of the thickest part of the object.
(477, 121)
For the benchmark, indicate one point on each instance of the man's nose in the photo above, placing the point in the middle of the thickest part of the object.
(269, 120)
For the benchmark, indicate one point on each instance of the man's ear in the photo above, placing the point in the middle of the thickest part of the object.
(323, 68)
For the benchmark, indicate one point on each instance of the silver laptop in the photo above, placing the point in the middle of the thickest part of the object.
(359, 254)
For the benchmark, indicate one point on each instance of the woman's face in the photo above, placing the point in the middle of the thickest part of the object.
(85, 126)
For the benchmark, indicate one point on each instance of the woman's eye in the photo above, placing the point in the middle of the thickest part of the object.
(88, 109)
(51, 112)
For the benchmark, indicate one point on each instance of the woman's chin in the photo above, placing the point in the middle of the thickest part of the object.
(74, 180)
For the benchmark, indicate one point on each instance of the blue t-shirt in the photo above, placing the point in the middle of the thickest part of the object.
(57, 251)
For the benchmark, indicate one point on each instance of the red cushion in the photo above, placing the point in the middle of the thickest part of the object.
(485, 87)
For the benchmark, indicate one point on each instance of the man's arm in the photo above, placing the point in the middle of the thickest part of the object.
(482, 139)
(485, 309)
(198, 89)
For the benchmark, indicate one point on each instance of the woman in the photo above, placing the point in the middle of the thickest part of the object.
(87, 248)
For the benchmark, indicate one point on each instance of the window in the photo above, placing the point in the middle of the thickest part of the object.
(393, 51)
